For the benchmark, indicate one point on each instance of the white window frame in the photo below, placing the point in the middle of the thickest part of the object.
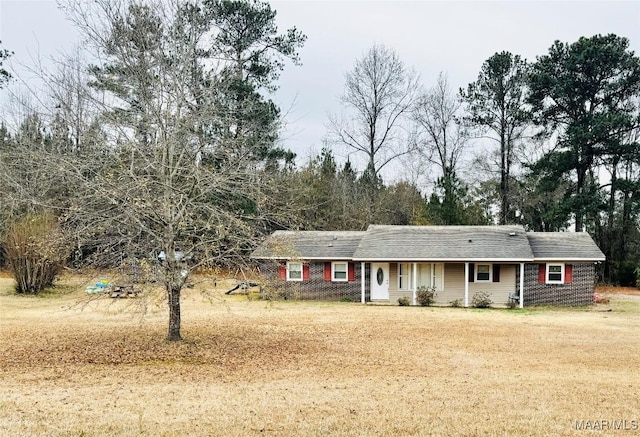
(334, 271)
(477, 271)
(408, 276)
(289, 265)
(548, 272)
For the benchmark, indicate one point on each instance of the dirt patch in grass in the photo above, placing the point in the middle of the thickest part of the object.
(308, 368)
(610, 289)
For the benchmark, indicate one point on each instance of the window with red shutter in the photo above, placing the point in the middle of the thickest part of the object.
(555, 273)
(294, 271)
(339, 271)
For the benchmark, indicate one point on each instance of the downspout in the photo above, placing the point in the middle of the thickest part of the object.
(466, 284)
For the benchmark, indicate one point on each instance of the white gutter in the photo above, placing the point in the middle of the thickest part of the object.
(449, 260)
(324, 258)
(568, 259)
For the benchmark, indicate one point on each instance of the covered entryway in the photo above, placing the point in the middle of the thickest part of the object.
(379, 281)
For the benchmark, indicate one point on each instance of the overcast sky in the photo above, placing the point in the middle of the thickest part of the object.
(430, 36)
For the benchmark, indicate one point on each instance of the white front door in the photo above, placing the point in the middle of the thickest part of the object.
(379, 281)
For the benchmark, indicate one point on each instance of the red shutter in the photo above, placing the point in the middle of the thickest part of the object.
(327, 271)
(472, 273)
(496, 273)
(282, 271)
(306, 272)
(542, 273)
(568, 273)
(352, 272)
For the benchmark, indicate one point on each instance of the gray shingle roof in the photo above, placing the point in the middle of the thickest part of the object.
(564, 246)
(444, 243)
(431, 243)
(309, 245)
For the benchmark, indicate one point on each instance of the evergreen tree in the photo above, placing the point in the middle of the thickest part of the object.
(451, 204)
(496, 105)
(584, 92)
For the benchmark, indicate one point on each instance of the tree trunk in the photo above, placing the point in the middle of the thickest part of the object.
(372, 188)
(173, 293)
(610, 238)
(504, 176)
(579, 206)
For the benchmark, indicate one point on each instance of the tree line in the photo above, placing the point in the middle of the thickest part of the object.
(556, 146)
(165, 146)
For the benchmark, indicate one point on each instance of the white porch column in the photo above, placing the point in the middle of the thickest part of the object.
(415, 280)
(363, 278)
(466, 284)
(521, 285)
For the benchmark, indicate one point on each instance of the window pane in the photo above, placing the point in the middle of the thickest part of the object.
(483, 272)
(340, 271)
(379, 276)
(554, 272)
(405, 275)
(295, 271)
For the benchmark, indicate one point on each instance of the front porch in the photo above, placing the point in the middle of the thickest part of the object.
(386, 282)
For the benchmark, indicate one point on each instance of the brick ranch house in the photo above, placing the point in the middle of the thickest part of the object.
(385, 263)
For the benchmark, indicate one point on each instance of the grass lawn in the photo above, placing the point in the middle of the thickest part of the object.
(72, 367)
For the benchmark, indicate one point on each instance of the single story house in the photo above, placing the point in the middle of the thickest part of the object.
(387, 262)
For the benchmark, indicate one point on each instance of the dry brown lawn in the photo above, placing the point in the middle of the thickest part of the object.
(69, 367)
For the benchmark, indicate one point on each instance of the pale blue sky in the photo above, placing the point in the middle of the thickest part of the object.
(430, 36)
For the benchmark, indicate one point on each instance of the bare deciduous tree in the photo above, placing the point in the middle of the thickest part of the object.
(380, 93)
(441, 142)
(168, 185)
(441, 138)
